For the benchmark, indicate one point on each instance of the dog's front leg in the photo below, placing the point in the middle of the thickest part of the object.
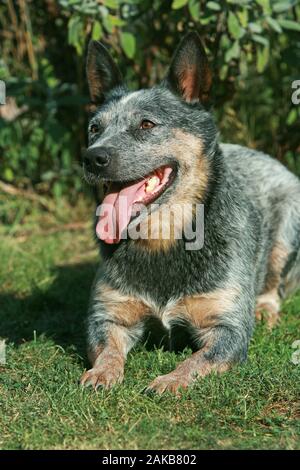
(222, 323)
(115, 324)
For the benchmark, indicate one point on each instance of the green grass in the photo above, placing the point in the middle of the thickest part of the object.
(45, 282)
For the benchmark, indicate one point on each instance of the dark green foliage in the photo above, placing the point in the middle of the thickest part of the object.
(254, 49)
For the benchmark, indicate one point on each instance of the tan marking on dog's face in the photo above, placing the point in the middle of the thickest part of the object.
(203, 311)
(191, 186)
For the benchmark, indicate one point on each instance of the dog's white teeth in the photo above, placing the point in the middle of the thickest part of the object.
(152, 183)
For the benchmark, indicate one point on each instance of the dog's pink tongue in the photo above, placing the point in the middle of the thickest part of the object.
(116, 210)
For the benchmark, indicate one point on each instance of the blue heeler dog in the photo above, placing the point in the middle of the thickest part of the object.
(161, 145)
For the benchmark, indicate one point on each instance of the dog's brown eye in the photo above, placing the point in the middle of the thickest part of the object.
(145, 124)
(94, 129)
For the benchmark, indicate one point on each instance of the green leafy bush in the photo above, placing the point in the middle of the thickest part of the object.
(254, 47)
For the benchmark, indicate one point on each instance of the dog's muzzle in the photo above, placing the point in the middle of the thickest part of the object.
(96, 159)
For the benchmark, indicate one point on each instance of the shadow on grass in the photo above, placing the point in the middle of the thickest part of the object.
(58, 312)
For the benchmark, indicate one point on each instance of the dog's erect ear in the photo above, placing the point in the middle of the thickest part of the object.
(102, 72)
(189, 73)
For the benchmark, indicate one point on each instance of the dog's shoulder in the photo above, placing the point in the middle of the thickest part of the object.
(257, 171)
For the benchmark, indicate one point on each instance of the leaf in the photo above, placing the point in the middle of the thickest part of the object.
(234, 27)
(116, 21)
(292, 116)
(97, 30)
(8, 174)
(57, 190)
(243, 17)
(72, 29)
(255, 27)
(279, 7)
(233, 52)
(260, 40)
(265, 4)
(208, 19)
(128, 44)
(176, 4)
(262, 58)
(107, 23)
(274, 24)
(289, 24)
(225, 42)
(243, 64)
(213, 6)
(223, 72)
(194, 8)
(48, 175)
(75, 33)
(111, 4)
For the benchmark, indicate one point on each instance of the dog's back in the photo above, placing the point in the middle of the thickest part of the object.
(275, 193)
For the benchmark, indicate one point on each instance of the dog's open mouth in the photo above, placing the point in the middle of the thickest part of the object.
(123, 202)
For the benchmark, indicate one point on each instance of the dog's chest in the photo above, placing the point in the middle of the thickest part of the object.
(160, 277)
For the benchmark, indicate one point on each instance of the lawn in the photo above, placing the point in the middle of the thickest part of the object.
(46, 272)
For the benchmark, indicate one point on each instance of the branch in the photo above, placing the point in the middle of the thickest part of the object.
(25, 193)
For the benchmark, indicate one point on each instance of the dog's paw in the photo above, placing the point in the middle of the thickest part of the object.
(268, 309)
(105, 377)
(172, 382)
(270, 316)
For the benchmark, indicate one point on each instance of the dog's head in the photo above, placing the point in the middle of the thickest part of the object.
(151, 145)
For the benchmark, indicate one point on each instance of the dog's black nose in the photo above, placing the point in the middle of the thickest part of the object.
(96, 158)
